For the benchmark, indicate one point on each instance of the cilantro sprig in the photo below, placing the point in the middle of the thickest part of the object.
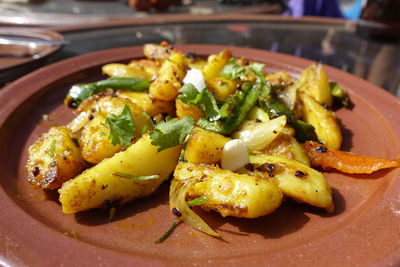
(136, 177)
(232, 70)
(204, 100)
(122, 127)
(171, 132)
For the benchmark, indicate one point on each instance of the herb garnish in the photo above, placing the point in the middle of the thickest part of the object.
(52, 148)
(205, 100)
(171, 132)
(197, 201)
(136, 177)
(122, 127)
(232, 70)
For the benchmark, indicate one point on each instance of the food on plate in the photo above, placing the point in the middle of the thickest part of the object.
(233, 138)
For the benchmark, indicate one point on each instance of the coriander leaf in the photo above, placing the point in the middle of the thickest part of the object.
(122, 127)
(197, 201)
(171, 133)
(258, 70)
(189, 94)
(257, 67)
(232, 70)
(205, 100)
(168, 232)
(136, 177)
(52, 147)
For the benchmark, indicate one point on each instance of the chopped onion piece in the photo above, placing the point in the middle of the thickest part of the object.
(258, 135)
(195, 77)
(234, 155)
(177, 200)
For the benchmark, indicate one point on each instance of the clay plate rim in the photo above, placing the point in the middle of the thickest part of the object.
(24, 235)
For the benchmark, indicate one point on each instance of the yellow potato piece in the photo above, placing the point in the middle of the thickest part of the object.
(215, 63)
(229, 193)
(53, 159)
(205, 147)
(122, 70)
(314, 82)
(150, 106)
(183, 109)
(324, 122)
(298, 181)
(169, 79)
(99, 186)
(287, 146)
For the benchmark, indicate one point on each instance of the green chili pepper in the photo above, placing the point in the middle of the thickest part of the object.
(339, 95)
(240, 111)
(80, 92)
(304, 131)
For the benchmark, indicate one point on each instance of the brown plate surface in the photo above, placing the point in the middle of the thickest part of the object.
(364, 229)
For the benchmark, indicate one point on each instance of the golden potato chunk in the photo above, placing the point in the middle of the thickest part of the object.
(54, 159)
(287, 146)
(205, 147)
(169, 79)
(324, 122)
(122, 70)
(150, 106)
(99, 186)
(296, 180)
(314, 82)
(94, 136)
(150, 67)
(94, 141)
(183, 109)
(215, 63)
(229, 193)
(222, 87)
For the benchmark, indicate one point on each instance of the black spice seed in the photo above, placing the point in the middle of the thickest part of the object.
(300, 174)
(176, 212)
(76, 142)
(203, 178)
(52, 164)
(91, 117)
(123, 148)
(268, 168)
(35, 171)
(249, 167)
(258, 120)
(321, 149)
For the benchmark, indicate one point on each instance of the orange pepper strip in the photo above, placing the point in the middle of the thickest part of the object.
(345, 161)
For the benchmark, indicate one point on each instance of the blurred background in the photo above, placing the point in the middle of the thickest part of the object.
(357, 36)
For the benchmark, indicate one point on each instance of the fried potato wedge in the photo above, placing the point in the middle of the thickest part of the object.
(183, 109)
(169, 79)
(205, 147)
(122, 70)
(324, 122)
(296, 180)
(287, 146)
(215, 63)
(229, 193)
(150, 106)
(314, 82)
(99, 186)
(53, 159)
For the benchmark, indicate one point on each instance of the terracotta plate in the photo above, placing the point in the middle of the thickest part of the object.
(364, 229)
